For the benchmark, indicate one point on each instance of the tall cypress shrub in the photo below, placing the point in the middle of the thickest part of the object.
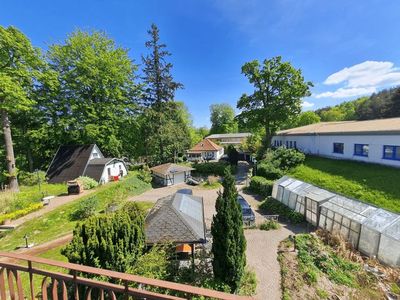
(229, 243)
(111, 242)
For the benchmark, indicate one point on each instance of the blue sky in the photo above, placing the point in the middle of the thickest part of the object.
(346, 48)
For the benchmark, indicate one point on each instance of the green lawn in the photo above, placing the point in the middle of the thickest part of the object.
(58, 222)
(10, 202)
(376, 184)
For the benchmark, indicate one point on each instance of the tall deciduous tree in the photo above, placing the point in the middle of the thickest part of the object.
(20, 72)
(229, 243)
(279, 88)
(97, 95)
(157, 78)
(222, 119)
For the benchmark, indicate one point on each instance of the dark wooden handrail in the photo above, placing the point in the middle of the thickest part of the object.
(12, 271)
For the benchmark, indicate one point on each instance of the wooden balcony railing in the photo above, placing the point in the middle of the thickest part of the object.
(77, 282)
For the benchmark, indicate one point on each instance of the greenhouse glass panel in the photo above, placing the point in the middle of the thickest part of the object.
(389, 247)
(369, 241)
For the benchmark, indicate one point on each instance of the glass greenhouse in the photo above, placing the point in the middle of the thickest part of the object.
(373, 231)
(345, 216)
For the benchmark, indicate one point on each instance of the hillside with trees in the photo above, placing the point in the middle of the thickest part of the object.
(381, 105)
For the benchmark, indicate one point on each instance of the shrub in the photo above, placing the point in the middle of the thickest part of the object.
(87, 182)
(213, 168)
(145, 174)
(270, 225)
(112, 242)
(30, 179)
(287, 159)
(269, 171)
(248, 284)
(261, 186)
(20, 213)
(85, 209)
(273, 206)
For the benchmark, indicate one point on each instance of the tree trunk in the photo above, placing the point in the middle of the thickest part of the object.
(10, 158)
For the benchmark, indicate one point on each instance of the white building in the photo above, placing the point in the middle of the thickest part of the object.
(205, 150)
(227, 139)
(374, 141)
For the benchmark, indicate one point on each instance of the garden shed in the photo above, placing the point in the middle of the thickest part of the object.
(373, 228)
(345, 216)
(170, 174)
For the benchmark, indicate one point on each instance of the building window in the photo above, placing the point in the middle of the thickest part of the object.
(290, 144)
(361, 149)
(391, 152)
(109, 171)
(338, 148)
(287, 144)
(295, 145)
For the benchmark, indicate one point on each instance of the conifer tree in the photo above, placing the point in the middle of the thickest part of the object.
(111, 242)
(229, 244)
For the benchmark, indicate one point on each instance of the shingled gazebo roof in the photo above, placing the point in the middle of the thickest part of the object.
(178, 218)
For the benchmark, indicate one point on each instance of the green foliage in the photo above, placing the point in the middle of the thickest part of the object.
(303, 119)
(20, 213)
(222, 117)
(274, 207)
(353, 179)
(279, 88)
(86, 208)
(261, 186)
(87, 182)
(315, 258)
(270, 225)
(248, 284)
(287, 159)
(145, 174)
(269, 170)
(31, 178)
(57, 222)
(153, 264)
(212, 168)
(229, 243)
(11, 201)
(233, 155)
(113, 241)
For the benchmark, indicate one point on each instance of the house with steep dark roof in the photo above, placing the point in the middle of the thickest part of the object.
(170, 174)
(178, 219)
(205, 150)
(72, 161)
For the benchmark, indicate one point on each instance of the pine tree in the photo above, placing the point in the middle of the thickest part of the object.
(229, 244)
(159, 84)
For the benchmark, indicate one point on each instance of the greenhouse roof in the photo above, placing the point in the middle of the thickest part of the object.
(393, 230)
(380, 219)
(316, 194)
(352, 209)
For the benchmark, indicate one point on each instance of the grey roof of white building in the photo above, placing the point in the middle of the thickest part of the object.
(177, 218)
(369, 127)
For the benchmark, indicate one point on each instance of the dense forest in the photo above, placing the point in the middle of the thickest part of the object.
(384, 104)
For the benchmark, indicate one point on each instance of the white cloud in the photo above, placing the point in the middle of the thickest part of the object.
(347, 92)
(362, 79)
(307, 104)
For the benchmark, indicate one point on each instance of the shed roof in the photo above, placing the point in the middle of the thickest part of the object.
(170, 168)
(205, 145)
(177, 218)
(379, 126)
(69, 162)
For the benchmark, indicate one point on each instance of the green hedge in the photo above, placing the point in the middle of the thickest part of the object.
(261, 186)
(272, 206)
(213, 168)
(269, 171)
(20, 213)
